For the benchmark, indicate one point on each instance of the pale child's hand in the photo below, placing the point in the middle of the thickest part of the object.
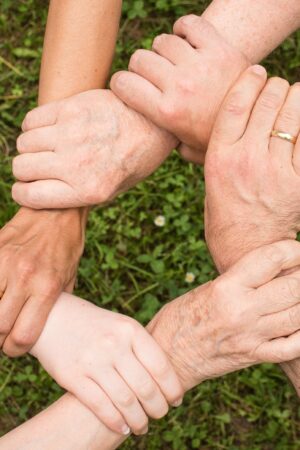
(109, 362)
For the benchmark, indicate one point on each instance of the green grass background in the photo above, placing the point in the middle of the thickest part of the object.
(132, 266)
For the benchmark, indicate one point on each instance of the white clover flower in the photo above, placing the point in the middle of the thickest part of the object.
(160, 221)
(189, 277)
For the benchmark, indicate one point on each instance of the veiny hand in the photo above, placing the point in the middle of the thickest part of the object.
(180, 84)
(39, 254)
(245, 317)
(85, 150)
(252, 179)
(109, 362)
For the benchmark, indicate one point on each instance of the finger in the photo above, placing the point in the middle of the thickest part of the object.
(143, 386)
(190, 154)
(37, 140)
(155, 361)
(46, 194)
(124, 400)
(152, 67)
(138, 93)
(281, 349)
(29, 324)
(173, 48)
(265, 263)
(93, 397)
(280, 294)
(283, 323)
(266, 110)
(196, 31)
(288, 120)
(41, 116)
(10, 306)
(232, 120)
(36, 166)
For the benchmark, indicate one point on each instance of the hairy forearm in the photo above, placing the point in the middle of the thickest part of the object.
(254, 27)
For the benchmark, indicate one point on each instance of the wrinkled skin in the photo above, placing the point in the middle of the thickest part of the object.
(252, 179)
(181, 82)
(39, 255)
(112, 148)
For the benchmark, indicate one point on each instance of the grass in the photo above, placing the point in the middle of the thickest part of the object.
(132, 266)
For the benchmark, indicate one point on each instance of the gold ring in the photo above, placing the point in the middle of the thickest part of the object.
(285, 136)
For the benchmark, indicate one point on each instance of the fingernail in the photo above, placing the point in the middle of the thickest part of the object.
(120, 80)
(177, 403)
(144, 431)
(126, 430)
(258, 70)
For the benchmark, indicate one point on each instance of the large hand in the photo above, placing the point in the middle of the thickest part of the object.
(109, 362)
(240, 319)
(84, 151)
(252, 180)
(39, 254)
(180, 84)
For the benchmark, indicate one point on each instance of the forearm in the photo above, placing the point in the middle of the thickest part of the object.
(79, 46)
(254, 27)
(66, 425)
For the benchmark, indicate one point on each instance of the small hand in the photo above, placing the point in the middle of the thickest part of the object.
(109, 362)
(85, 150)
(39, 254)
(240, 319)
(180, 84)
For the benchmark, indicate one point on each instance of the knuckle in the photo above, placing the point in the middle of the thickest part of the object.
(236, 104)
(162, 369)
(168, 110)
(25, 269)
(269, 100)
(126, 399)
(52, 287)
(288, 116)
(273, 253)
(186, 85)
(146, 389)
(109, 341)
(22, 338)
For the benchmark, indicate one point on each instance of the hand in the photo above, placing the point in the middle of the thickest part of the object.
(39, 254)
(240, 319)
(252, 179)
(180, 84)
(85, 150)
(109, 362)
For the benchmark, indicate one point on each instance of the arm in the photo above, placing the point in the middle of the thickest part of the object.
(181, 90)
(256, 28)
(199, 332)
(78, 50)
